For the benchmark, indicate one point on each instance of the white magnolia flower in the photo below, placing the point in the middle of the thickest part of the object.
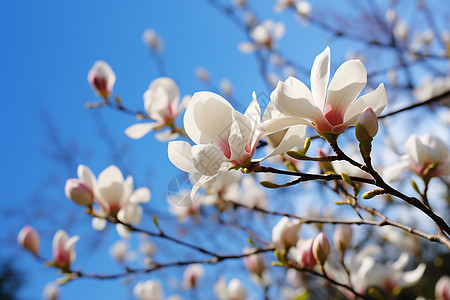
(401, 31)
(63, 249)
(102, 78)
(303, 9)
(117, 197)
(192, 274)
(51, 291)
(225, 138)
(148, 290)
(263, 35)
(152, 40)
(429, 87)
(161, 101)
(328, 110)
(426, 156)
(234, 291)
(119, 251)
(251, 194)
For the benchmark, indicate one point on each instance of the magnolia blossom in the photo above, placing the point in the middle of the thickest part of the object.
(401, 31)
(321, 248)
(79, 192)
(102, 78)
(286, 233)
(28, 238)
(63, 249)
(427, 156)
(442, 288)
(192, 274)
(328, 110)
(368, 127)
(148, 290)
(305, 254)
(115, 197)
(51, 291)
(342, 237)
(152, 40)
(283, 4)
(303, 9)
(254, 263)
(161, 101)
(119, 251)
(367, 271)
(263, 35)
(234, 291)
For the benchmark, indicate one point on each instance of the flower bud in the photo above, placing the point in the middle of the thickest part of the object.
(368, 127)
(102, 78)
(63, 249)
(305, 254)
(29, 239)
(51, 291)
(192, 274)
(442, 289)
(321, 248)
(285, 233)
(254, 263)
(79, 192)
(343, 237)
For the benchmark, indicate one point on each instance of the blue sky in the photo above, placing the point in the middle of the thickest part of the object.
(47, 50)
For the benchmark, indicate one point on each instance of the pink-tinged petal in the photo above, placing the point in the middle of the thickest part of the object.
(85, 174)
(293, 137)
(169, 86)
(348, 81)
(253, 111)
(293, 98)
(320, 74)
(180, 155)
(278, 124)
(207, 117)
(240, 136)
(166, 135)
(137, 131)
(376, 99)
(207, 159)
(140, 195)
(198, 184)
(102, 78)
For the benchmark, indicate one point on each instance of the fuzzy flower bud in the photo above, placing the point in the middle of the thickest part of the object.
(343, 237)
(29, 239)
(305, 254)
(442, 289)
(367, 125)
(79, 192)
(321, 248)
(285, 233)
(254, 263)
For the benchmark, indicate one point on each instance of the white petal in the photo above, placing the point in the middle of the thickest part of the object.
(85, 174)
(410, 278)
(253, 111)
(271, 112)
(137, 131)
(207, 159)
(415, 150)
(169, 86)
(207, 118)
(166, 135)
(320, 74)
(180, 155)
(140, 195)
(247, 47)
(240, 133)
(348, 81)
(393, 172)
(279, 30)
(278, 124)
(293, 98)
(123, 231)
(294, 136)
(401, 262)
(184, 103)
(98, 223)
(200, 182)
(376, 99)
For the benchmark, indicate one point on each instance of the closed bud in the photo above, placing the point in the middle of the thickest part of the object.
(79, 192)
(254, 263)
(442, 289)
(368, 127)
(102, 78)
(63, 249)
(321, 248)
(343, 237)
(192, 274)
(305, 256)
(29, 239)
(286, 233)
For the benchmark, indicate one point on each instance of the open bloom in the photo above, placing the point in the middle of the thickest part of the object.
(427, 156)
(29, 239)
(148, 290)
(161, 101)
(263, 35)
(102, 78)
(63, 249)
(328, 110)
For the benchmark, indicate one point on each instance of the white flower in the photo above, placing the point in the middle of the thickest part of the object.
(303, 9)
(152, 40)
(102, 78)
(192, 274)
(63, 249)
(426, 156)
(161, 101)
(148, 290)
(285, 234)
(80, 190)
(401, 31)
(328, 110)
(234, 291)
(263, 35)
(51, 291)
(119, 251)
